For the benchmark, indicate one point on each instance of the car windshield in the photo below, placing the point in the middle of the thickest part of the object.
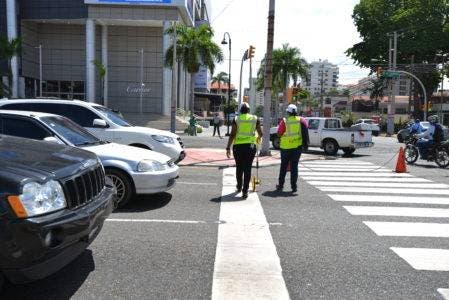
(73, 133)
(113, 116)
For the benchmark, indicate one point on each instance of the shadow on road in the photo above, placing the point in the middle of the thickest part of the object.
(227, 198)
(142, 203)
(278, 194)
(61, 285)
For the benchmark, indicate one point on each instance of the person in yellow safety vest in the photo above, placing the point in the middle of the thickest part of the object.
(294, 135)
(243, 136)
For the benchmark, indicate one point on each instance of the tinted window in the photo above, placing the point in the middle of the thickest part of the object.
(24, 128)
(314, 123)
(19, 106)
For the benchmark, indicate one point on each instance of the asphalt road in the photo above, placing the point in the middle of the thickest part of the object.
(164, 246)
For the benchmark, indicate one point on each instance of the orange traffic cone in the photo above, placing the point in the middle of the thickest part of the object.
(401, 167)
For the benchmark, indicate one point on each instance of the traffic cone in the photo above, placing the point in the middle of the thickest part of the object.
(401, 167)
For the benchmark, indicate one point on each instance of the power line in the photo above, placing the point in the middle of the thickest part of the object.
(222, 11)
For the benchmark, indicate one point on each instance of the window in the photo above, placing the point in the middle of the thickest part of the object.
(25, 128)
(331, 124)
(314, 124)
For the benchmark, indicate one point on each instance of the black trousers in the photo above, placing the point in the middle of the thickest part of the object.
(244, 156)
(290, 156)
(217, 129)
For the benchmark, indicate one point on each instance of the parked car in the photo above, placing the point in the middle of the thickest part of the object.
(132, 170)
(404, 134)
(53, 202)
(329, 134)
(368, 124)
(105, 124)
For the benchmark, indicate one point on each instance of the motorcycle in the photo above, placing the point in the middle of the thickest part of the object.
(437, 153)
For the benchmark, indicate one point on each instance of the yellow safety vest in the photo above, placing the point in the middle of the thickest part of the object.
(292, 137)
(246, 129)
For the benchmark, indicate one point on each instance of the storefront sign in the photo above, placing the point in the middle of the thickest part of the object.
(137, 89)
(202, 78)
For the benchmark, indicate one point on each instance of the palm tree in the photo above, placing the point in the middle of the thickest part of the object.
(195, 48)
(220, 78)
(8, 50)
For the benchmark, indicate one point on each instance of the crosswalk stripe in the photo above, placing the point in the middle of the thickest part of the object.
(306, 172)
(338, 167)
(344, 169)
(444, 293)
(247, 265)
(398, 211)
(336, 162)
(380, 184)
(424, 259)
(369, 179)
(390, 199)
(385, 190)
(410, 229)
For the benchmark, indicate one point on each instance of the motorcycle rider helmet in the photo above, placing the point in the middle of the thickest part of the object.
(433, 119)
(417, 121)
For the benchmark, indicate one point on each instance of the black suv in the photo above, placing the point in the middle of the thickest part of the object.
(53, 202)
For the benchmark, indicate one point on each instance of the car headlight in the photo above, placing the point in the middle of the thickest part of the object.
(148, 165)
(37, 199)
(163, 139)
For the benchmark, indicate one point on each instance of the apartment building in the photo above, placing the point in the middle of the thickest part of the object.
(322, 77)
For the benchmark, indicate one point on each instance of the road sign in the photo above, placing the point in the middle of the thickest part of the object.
(391, 74)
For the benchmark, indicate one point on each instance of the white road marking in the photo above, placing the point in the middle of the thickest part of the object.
(381, 184)
(247, 265)
(195, 183)
(385, 190)
(155, 221)
(336, 162)
(409, 229)
(339, 167)
(390, 199)
(398, 211)
(425, 259)
(305, 172)
(344, 169)
(444, 293)
(362, 179)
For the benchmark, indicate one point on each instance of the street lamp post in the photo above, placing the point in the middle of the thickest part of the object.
(224, 42)
(141, 81)
(40, 70)
(443, 56)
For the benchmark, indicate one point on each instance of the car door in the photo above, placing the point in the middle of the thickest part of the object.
(23, 127)
(314, 132)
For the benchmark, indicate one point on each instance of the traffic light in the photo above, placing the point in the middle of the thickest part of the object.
(295, 94)
(251, 51)
(379, 72)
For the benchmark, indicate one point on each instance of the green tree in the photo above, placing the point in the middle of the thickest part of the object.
(376, 90)
(220, 78)
(424, 31)
(195, 48)
(259, 111)
(9, 49)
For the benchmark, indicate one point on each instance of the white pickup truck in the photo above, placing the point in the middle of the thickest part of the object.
(329, 134)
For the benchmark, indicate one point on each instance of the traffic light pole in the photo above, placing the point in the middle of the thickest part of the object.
(245, 57)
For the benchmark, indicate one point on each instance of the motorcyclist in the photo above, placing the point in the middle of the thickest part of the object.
(426, 138)
(416, 127)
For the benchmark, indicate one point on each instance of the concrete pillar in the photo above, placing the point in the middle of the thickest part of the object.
(11, 14)
(167, 76)
(90, 57)
(104, 59)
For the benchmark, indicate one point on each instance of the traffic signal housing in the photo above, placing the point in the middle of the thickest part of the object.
(251, 51)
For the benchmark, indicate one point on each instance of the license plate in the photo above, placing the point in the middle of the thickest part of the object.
(363, 145)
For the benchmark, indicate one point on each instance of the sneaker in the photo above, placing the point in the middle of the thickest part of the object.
(245, 195)
(294, 189)
(279, 188)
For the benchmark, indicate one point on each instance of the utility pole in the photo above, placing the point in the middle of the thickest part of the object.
(40, 70)
(321, 91)
(141, 81)
(265, 151)
(174, 90)
(391, 97)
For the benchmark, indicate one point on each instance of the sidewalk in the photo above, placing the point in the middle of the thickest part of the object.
(211, 157)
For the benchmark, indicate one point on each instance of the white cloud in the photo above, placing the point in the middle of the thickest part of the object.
(321, 29)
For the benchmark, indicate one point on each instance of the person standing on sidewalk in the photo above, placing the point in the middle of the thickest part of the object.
(294, 135)
(217, 122)
(192, 125)
(243, 136)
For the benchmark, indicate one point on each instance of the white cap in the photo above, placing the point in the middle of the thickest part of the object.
(291, 108)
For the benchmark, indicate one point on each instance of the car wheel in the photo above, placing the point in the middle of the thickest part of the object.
(411, 154)
(348, 151)
(123, 185)
(276, 143)
(330, 147)
(442, 158)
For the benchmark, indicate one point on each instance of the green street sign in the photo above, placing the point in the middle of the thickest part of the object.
(391, 74)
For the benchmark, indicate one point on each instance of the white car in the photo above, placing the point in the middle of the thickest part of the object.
(367, 124)
(105, 124)
(132, 170)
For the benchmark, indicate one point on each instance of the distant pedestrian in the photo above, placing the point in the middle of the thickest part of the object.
(294, 135)
(192, 125)
(217, 123)
(243, 136)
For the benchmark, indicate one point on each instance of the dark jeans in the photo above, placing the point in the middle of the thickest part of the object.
(217, 129)
(244, 155)
(292, 156)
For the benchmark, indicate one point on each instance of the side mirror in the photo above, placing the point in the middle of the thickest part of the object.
(100, 123)
(53, 139)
